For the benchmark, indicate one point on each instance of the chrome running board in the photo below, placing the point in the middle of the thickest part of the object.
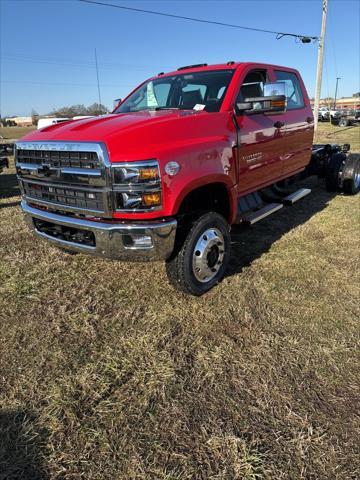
(254, 217)
(294, 197)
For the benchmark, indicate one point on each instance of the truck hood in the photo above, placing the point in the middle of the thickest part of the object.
(135, 136)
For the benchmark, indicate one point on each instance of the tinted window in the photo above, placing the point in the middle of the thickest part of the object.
(202, 90)
(252, 86)
(161, 92)
(293, 91)
(190, 87)
(221, 92)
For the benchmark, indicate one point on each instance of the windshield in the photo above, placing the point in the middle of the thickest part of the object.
(188, 91)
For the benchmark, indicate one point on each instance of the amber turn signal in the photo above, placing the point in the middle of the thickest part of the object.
(151, 199)
(148, 173)
(278, 104)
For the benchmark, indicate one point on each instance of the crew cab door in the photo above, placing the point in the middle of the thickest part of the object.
(298, 120)
(261, 143)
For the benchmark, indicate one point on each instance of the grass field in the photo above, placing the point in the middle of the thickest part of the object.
(328, 133)
(106, 373)
(11, 133)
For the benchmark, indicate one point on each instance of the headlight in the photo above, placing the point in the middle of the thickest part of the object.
(137, 186)
(137, 200)
(137, 172)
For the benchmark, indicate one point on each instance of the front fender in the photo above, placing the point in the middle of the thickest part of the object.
(204, 147)
(203, 182)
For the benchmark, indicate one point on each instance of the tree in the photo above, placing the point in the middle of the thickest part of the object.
(34, 117)
(69, 112)
(75, 110)
(96, 109)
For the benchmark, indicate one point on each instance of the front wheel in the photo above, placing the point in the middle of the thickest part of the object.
(200, 261)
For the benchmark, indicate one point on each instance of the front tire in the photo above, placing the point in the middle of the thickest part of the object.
(200, 261)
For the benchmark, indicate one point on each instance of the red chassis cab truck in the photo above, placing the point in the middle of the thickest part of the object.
(185, 156)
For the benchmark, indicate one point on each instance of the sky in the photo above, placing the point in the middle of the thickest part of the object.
(48, 46)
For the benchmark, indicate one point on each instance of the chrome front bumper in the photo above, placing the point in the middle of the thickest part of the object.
(124, 240)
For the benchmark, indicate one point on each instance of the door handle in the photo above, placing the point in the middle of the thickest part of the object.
(309, 120)
(279, 124)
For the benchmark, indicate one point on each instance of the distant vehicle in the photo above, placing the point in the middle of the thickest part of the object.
(4, 163)
(323, 114)
(46, 122)
(346, 118)
(80, 117)
(5, 148)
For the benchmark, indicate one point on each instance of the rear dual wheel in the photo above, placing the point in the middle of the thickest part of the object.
(333, 172)
(351, 182)
(201, 258)
(343, 173)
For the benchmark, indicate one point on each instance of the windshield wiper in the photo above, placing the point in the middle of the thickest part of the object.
(166, 108)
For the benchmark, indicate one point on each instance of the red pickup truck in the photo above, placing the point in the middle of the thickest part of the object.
(186, 155)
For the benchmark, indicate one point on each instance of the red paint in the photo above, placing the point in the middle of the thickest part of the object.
(203, 143)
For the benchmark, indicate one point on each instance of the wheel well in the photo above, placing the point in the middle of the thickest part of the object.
(213, 197)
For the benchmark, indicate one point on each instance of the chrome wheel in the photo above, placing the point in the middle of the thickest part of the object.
(208, 255)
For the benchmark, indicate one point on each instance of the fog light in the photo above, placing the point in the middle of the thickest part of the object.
(142, 241)
(151, 199)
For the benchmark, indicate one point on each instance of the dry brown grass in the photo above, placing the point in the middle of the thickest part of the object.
(328, 133)
(11, 133)
(107, 373)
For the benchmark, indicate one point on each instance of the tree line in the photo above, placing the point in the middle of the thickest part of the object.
(63, 112)
(80, 109)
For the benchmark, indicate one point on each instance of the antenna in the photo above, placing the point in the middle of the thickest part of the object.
(97, 76)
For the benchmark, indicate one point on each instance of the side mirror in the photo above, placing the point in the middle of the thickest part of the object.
(273, 101)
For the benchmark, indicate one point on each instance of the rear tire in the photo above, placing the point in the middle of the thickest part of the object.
(332, 172)
(351, 183)
(343, 122)
(200, 261)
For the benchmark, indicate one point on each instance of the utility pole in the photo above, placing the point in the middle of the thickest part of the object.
(336, 88)
(97, 76)
(320, 63)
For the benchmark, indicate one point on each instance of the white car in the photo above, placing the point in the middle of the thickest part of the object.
(46, 122)
(324, 114)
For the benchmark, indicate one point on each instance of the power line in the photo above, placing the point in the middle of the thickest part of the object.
(303, 38)
(71, 62)
(64, 84)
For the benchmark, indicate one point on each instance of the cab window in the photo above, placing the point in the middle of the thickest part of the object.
(293, 91)
(252, 86)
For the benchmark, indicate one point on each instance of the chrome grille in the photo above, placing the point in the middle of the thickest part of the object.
(59, 159)
(65, 176)
(87, 199)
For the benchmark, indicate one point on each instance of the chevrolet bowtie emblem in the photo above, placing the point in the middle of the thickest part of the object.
(44, 171)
